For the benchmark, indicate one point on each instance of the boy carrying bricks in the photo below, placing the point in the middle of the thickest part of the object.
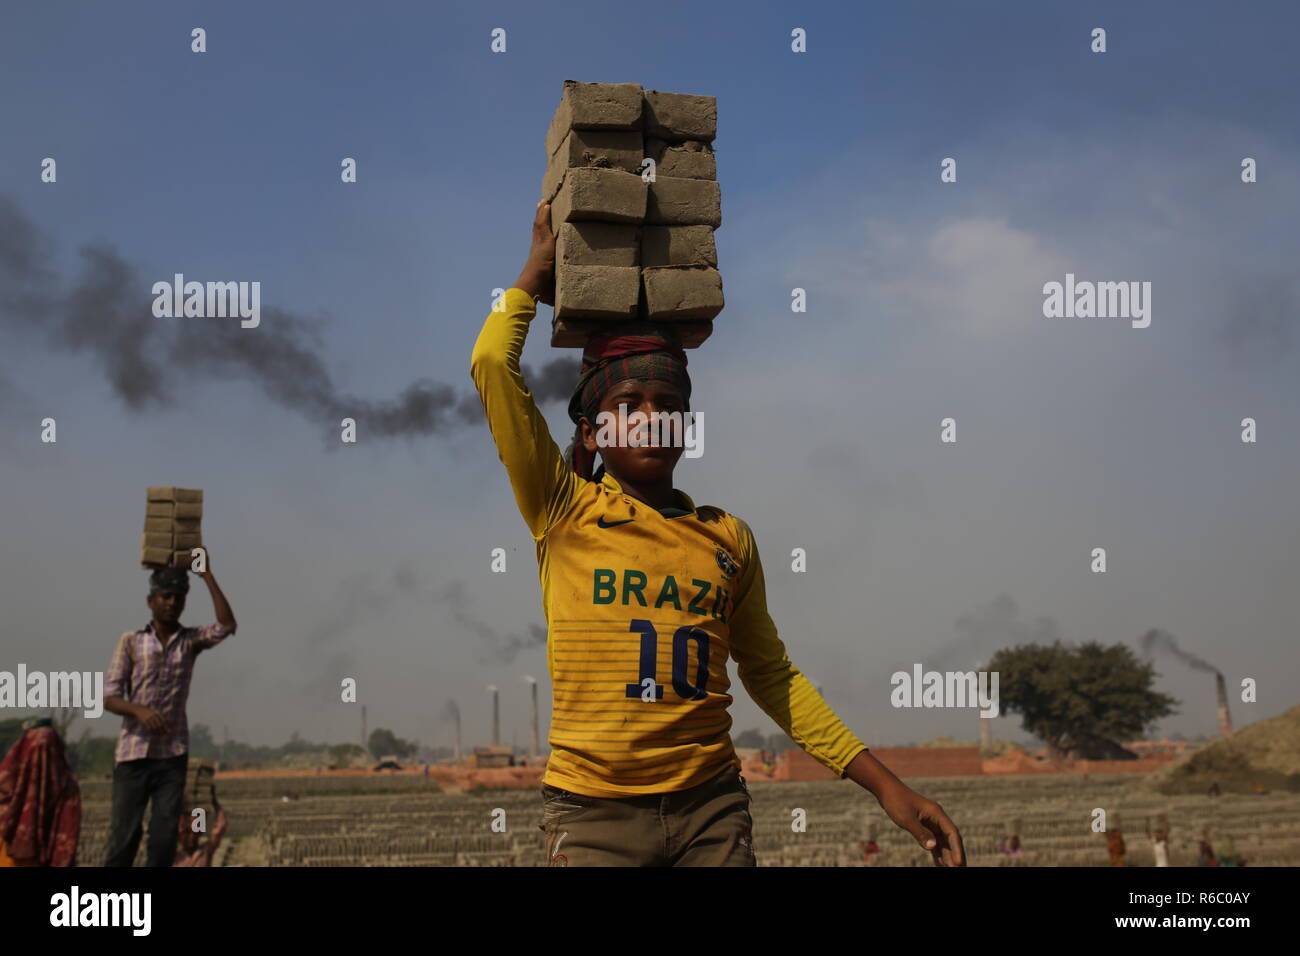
(646, 595)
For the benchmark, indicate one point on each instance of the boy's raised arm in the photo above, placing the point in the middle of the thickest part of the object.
(543, 483)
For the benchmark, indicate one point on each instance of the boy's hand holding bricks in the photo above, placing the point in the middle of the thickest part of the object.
(538, 275)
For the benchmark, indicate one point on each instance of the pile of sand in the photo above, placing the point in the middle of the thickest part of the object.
(1262, 756)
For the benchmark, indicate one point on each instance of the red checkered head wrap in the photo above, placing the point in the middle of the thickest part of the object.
(642, 351)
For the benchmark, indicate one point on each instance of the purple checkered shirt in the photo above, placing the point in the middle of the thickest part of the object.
(144, 673)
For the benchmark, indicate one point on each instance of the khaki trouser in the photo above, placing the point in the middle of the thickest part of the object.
(707, 825)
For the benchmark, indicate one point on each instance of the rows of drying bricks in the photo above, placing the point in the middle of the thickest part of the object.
(171, 526)
(627, 248)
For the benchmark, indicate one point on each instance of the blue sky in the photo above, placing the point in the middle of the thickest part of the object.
(925, 302)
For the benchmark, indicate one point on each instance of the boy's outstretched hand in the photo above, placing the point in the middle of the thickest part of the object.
(926, 821)
(922, 818)
(538, 275)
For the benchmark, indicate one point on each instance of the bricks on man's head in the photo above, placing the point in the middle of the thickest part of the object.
(597, 244)
(597, 292)
(171, 523)
(155, 557)
(169, 493)
(673, 201)
(679, 116)
(607, 106)
(678, 246)
(682, 292)
(604, 195)
(604, 149)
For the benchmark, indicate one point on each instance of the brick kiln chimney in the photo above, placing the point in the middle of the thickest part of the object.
(1225, 719)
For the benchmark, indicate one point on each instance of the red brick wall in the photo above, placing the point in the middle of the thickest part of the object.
(903, 761)
(931, 761)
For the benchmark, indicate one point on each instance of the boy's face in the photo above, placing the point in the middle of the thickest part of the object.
(646, 464)
(167, 606)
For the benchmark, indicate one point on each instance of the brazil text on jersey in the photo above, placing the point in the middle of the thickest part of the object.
(605, 590)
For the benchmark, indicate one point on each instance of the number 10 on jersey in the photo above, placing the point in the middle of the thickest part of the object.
(646, 689)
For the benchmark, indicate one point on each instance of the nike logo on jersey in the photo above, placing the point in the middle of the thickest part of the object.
(602, 523)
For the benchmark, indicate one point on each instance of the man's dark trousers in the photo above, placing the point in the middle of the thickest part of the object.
(135, 782)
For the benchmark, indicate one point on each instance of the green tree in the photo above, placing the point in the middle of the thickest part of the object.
(1080, 700)
(202, 746)
(343, 754)
(92, 756)
(384, 742)
(779, 742)
(750, 739)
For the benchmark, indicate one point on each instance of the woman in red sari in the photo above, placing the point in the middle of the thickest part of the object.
(40, 802)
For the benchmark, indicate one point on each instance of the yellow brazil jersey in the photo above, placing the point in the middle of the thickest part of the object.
(643, 610)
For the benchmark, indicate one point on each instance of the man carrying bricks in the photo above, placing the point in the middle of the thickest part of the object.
(148, 684)
(646, 595)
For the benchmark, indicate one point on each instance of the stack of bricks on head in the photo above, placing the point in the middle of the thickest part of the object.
(633, 241)
(171, 527)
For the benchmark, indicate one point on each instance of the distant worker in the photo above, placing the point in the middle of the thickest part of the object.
(870, 850)
(148, 684)
(1159, 840)
(1115, 844)
(1205, 852)
(40, 801)
(1227, 855)
(192, 849)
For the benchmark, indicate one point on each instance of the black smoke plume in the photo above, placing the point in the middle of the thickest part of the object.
(1157, 640)
(106, 313)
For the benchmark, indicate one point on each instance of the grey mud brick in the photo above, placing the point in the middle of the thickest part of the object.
(155, 557)
(573, 333)
(188, 539)
(157, 539)
(682, 292)
(157, 525)
(673, 201)
(679, 116)
(159, 509)
(182, 559)
(597, 292)
(593, 147)
(188, 509)
(595, 106)
(689, 160)
(606, 195)
(678, 246)
(185, 525)
(597, 244)
(169, 493)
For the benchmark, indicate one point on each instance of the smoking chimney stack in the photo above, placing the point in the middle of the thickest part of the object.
(1225, 719)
